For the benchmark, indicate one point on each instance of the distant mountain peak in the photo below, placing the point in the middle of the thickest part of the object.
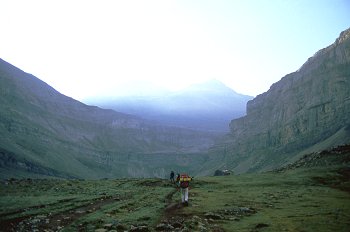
(209, 85)
(213, 82)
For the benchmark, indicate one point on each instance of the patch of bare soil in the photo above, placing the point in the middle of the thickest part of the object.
(175, 218)
(340, 181)
(34, 207)
(54, 222)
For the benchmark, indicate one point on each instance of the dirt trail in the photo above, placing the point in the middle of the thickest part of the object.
(54, 222)
(172, 206)
(176, 217)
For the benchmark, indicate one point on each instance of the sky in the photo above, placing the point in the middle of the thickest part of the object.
(87, 48)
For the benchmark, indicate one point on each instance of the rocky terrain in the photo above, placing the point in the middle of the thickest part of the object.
(336, 156)
(307, 110)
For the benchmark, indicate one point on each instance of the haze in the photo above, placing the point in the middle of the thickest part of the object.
(93, 48)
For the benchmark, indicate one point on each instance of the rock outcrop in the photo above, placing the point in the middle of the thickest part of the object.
(304, 108)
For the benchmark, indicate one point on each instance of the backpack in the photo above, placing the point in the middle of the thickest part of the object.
(185, 180)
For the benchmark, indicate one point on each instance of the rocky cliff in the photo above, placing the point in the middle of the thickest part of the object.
(306, 108)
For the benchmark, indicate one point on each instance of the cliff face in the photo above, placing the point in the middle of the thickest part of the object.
(302, 109)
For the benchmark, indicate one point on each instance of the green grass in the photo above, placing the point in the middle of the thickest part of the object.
(296, 200)
(291, 201)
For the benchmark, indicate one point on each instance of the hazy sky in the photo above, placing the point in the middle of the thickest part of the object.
(84, 48)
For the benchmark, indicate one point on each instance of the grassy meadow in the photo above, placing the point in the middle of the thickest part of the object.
(312, 199)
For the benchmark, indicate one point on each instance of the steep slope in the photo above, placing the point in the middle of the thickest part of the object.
(307, 110)
(45, 133)
(207, 106)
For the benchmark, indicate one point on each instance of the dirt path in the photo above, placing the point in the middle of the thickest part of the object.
(172, 206)
(176, 217)
(54, 222)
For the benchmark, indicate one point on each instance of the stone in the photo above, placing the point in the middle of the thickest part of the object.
(80, 211)
(108, 225)
(202, 228)
(164, 227)
(195, 217)
(246, 210)
(234, 219)
(101, 230)
(138, 229)
(177, 225)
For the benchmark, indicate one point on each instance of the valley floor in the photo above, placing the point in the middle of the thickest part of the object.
(313, 199)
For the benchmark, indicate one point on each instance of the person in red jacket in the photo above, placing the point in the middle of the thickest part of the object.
(184, 183)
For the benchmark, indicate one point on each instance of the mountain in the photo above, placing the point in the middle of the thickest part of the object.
(44, 133)
(206, 106)
(306, 111)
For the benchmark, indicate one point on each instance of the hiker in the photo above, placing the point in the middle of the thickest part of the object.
(184, 182)
(172, 177)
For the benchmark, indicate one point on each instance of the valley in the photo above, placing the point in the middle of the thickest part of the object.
(44, 133)
(175, 116)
